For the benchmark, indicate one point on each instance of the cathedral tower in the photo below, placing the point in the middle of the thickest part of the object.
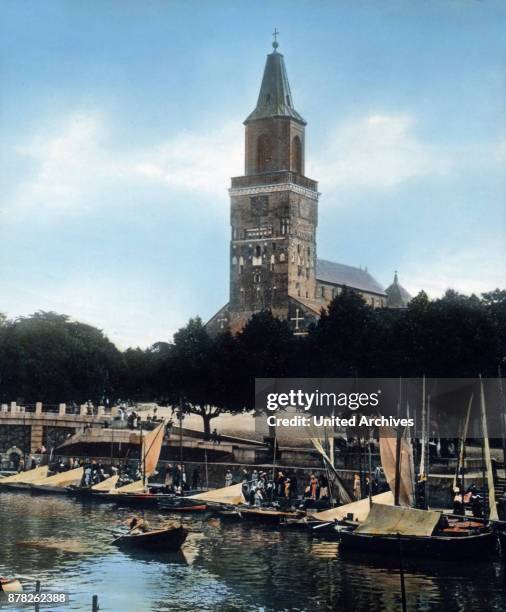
(274, 210)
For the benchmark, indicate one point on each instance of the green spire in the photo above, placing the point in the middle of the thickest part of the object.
(275, 98)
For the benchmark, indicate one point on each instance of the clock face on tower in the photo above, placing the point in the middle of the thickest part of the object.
(259, 205)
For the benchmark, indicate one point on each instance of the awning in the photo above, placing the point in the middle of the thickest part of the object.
(226, 495)
(391, 520)
(107, 484)
(37, 473)
(359, 509)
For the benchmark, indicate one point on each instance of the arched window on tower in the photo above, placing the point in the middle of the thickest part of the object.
(264, 153)
(297, 155)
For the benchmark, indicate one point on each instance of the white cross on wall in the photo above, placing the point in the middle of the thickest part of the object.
(296, 318)
(222, 320)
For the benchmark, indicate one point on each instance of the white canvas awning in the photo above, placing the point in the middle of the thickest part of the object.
(226, 495)
(359, 509)
(37, 473)
(392, 520)
(62, 479)
(107, 484)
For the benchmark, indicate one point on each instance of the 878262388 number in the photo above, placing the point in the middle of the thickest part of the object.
(41, 598)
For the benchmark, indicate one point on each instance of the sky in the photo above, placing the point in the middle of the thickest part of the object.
(121, 125)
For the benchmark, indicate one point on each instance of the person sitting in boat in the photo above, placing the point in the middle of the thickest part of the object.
(458, 502)
(476, 502)
(138, 525)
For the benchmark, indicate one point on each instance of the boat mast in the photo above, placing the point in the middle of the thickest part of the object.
(397, 488)
(488, 462)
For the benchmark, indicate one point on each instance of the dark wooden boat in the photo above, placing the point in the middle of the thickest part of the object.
(183, 507)
(451, 547)
(159, 540)
(501, 533)
(259, 515)
(130, 499)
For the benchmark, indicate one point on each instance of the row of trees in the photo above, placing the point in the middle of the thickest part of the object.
(48, 357)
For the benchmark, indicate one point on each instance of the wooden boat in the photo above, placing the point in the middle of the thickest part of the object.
(260, 515)
(129, 499)
(181, 505)
(451, 547)
(10, 585)
(417, 533)
(501, 533)
(169, 539)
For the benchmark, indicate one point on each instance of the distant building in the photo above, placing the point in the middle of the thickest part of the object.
(274, 215)
(397, 296)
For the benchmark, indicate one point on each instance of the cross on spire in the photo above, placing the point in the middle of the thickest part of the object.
(275, 43)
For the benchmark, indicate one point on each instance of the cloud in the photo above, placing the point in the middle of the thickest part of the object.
(131, 311)
(472, 269)
(78, 163)
(377, 151)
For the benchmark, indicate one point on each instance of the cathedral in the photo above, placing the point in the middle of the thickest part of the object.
(273, 218)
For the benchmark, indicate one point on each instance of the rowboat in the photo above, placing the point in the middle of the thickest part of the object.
(10, 585)
(169, 539)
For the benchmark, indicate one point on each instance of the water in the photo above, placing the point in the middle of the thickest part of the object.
(66, 544)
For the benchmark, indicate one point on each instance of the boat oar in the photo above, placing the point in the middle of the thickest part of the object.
(324, 525)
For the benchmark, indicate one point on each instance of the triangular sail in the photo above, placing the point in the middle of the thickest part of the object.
(132, 487)
(226, 495)
(107, 484)
(151, 448)
(388, 444)
(37, 473)
(62, 479)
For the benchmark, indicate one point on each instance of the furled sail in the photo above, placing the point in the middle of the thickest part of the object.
(226, 495)
(151, 448)
(488, 461)
(336, 479)
(388, 443)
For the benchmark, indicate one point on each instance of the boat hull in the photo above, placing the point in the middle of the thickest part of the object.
(160, 540)
(455, 548)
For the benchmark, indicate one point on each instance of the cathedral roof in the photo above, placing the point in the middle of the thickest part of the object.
(340, 274)
(397, 296)
(275, 98)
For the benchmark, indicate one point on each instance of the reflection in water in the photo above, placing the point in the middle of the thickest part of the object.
(223, 566)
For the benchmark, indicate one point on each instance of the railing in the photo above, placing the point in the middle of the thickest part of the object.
(274, 178)
(38, 409)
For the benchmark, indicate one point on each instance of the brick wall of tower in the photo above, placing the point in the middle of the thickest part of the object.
(259, 252)
(281, 132)
(272, 249)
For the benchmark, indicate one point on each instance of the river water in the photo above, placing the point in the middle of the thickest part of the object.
(66, 544)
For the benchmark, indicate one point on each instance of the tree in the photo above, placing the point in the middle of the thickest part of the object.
(192, 371)
(48, 357)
